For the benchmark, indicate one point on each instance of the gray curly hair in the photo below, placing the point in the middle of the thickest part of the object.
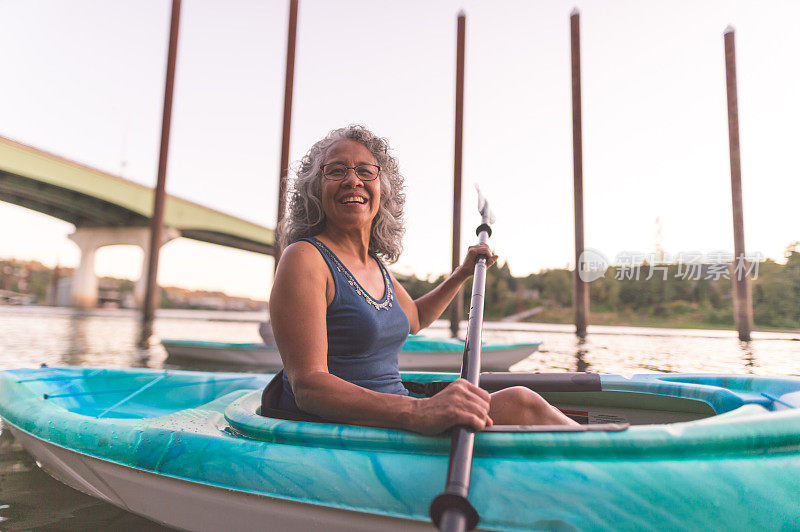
(306, 218)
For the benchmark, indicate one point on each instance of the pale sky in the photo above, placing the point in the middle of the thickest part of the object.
(84, 79)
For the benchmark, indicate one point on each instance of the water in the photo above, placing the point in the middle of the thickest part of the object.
(30, 336)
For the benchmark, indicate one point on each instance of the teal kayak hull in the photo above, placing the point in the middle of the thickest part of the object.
(734, 462)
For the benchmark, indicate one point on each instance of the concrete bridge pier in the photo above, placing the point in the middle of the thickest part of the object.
(90, 239)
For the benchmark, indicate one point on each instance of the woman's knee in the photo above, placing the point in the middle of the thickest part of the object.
(516, 405)
(525, 397)
(523, 406)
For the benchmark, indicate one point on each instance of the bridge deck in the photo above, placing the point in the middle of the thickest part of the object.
(87, 197)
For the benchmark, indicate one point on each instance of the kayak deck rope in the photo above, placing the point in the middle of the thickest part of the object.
(122, 390)
(131, 396)
(74, 377)
(776, 400)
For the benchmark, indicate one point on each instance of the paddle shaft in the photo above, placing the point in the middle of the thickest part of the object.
(471, 365)
(455, 519)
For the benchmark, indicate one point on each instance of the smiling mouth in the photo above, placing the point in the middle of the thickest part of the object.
(353, 200)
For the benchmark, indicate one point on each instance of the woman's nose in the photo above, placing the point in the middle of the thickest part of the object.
(351, 178)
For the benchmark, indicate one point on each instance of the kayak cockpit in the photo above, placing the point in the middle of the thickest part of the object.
(671, 417)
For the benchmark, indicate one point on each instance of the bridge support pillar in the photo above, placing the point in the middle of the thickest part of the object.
(90, 239)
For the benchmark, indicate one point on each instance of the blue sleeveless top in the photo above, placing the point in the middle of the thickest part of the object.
(364, 335)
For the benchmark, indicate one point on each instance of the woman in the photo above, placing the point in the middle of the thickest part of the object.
(339, 316)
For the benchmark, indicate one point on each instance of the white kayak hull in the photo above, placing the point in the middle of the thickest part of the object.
(268, 359)
(188, 505)
(495, 360)
(251, 355)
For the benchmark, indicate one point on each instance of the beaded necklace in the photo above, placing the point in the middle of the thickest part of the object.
(389, 296)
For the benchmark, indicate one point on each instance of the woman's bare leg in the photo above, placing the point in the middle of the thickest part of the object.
(521, 406)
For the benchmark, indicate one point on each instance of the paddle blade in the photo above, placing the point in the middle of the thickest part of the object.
(487, 216)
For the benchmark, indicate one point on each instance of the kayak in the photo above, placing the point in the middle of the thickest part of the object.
(190, 450)
(420, 352)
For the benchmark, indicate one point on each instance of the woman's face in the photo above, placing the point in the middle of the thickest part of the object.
(350, 203)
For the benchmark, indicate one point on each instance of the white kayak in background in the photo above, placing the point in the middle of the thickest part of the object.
(420, 352)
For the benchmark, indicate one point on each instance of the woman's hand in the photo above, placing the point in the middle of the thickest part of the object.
(423, 311)
(467, 267)
(461, 403)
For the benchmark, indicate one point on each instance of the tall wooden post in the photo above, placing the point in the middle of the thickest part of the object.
(457, 304)
(580, 288)
(742, 296)
(288, 89)
(53, 299)
(157, 220)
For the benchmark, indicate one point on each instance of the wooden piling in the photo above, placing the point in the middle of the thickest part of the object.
(157, 220)
(580, 288)
(743, 305)
(53, 299)
(288, 90)
(457, 304)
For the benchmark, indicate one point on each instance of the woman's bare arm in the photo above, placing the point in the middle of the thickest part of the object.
(425, 310)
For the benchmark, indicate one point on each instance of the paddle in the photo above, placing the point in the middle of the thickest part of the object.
(451, 511)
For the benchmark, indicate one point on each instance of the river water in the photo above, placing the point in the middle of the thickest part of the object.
(30, 336)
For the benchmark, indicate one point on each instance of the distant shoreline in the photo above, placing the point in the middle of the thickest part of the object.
(246, 316)
(669, 324)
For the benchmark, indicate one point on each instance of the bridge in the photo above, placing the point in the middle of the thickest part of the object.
(109, 210)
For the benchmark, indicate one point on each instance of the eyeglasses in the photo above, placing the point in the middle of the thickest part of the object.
(338, 171)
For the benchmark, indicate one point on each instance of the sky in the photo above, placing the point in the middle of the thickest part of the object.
(85, 80)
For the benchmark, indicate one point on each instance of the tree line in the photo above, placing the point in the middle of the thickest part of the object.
(669, 298)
